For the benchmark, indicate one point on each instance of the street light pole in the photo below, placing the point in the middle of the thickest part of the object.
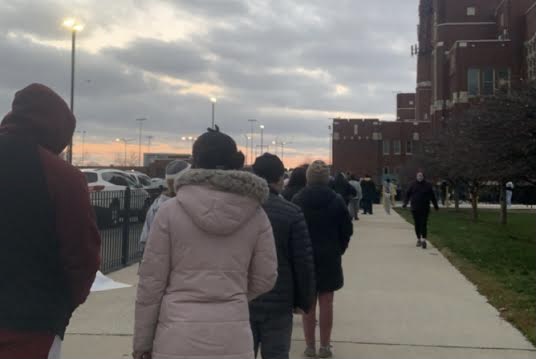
(213, 100)
(252, 147)
(262, 139)
(140, 120)
(125, 142)
(74, 27)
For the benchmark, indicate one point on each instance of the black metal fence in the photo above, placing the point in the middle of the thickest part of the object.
(120, 217)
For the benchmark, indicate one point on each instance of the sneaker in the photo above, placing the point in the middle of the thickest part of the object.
(419, 243)
(424, 245)
(310, 352)
(325, 352)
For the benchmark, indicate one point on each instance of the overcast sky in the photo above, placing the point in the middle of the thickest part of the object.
(291, 65)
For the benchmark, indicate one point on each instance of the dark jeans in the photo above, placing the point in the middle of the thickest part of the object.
(367, 206)
(421, 223)
(273, 334)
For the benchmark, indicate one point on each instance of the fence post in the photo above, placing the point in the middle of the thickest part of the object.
(126, 228)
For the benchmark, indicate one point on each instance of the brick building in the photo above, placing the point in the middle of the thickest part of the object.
(374, 147)
(405, 107)
(469, 49)
(466, 49)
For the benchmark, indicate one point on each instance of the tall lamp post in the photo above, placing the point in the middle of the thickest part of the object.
(262, 138)
(74, 26)
(252, 147)
(125, 141)
(213, 101)
(140, 120)
(247, 147)
(83, 146)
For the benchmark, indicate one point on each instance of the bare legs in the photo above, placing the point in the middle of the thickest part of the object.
(325, 304)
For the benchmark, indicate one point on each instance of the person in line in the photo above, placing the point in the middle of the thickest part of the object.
(210, 250)
(369, 194)
(330, 228)
(394, 193)
(386, 194)
(48, 234)
(173, 170)
(344, 189)
(295, 289)
(296, 183)
(420, 194)
(509, 193)
(356, 201)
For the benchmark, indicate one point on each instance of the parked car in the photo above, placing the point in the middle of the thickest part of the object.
(107, 188)
(159, 183)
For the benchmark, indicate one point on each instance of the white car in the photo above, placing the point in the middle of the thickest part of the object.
(107, 188)
(141, 179)
(159, 183)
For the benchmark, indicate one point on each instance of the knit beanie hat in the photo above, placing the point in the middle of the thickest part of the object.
(318, 173)
(269, 167)
(174, 168)
(216, 150)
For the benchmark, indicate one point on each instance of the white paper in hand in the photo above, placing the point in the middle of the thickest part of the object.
(103, 282)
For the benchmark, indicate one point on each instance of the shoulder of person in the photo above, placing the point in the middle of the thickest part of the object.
(60, 172)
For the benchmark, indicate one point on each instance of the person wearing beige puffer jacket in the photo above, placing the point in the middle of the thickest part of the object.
(209, 252)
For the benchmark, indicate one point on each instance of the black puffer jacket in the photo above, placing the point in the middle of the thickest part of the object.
(290, 192)
(420, 194)
(330, 227)
(295, 286)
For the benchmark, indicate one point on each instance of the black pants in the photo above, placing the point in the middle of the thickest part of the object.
(420, 218)
(367, 206)
(272, 334)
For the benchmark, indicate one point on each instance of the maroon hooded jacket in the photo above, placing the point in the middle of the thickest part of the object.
(50, 245)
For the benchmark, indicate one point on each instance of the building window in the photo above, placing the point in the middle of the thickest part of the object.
(415, 136)
(386, 147)
(502, 80)
(502, 20)
(473, 82)
(488, 83)
(376, 136)
(409, 147)
(471, 11)
(336, 136)
(356, 128)
(386, 170)
(396, 147)
(411, 103)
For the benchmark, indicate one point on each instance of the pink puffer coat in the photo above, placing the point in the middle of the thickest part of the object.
(210, 250)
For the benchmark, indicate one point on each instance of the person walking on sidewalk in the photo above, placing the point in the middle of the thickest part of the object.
(369, 194)
(356, 201)
(295, 289)
(394, 192)
(210, 250)
(296, 183)
(173, 170)
(509, 193)
(387, 195)
(343, 188)
(420, 194)
(330, 228)
(50, 244)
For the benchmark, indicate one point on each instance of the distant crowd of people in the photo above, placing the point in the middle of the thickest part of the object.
(230, 254)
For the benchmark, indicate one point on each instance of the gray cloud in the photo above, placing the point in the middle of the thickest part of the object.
(264, 55)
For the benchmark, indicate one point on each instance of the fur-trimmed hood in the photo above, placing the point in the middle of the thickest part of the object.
(219, 201)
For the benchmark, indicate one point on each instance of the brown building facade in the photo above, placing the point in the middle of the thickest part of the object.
(376, 148)
(469, 49)
(405, 107)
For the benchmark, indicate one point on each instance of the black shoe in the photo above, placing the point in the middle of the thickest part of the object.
(419, 243)
(424, 245)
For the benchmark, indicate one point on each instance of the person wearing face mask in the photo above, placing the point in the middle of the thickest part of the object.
(420, 194)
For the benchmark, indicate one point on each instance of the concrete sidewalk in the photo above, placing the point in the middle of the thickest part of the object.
(399, 301)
